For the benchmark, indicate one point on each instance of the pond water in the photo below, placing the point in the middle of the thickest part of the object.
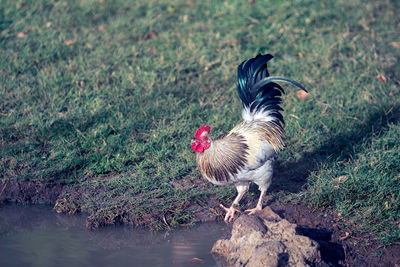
(37, 236)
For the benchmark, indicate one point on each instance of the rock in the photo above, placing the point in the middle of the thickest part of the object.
(266, 240)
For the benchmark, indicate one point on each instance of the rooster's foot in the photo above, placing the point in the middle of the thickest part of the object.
(230, 212)
(253, 211)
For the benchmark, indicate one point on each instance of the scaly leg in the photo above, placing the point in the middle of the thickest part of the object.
(259, 203)
(230, 212)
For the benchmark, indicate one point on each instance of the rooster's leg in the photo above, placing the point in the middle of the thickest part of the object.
(230, 212)
(259, 203)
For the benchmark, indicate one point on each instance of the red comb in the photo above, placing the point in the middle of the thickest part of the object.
(201, 130)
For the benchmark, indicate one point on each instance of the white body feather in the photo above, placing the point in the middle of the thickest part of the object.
(263, 115)
(260, 159)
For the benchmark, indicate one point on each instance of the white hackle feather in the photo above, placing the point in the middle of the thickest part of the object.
(258, 114)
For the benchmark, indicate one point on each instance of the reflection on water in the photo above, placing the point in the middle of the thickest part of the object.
(37, 236)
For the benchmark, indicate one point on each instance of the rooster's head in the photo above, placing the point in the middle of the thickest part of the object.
(201, 141)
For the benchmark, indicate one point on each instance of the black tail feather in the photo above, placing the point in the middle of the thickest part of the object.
(249, 73)
(257, 89)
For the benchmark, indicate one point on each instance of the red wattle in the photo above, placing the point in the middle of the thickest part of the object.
(197, 147)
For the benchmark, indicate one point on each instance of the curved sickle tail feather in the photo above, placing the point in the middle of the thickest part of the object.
(259, 92)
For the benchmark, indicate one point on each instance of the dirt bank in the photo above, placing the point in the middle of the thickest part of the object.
(30, 192)
(70, 199)
(340, 244)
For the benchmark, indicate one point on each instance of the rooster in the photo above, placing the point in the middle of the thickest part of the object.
(246, 153)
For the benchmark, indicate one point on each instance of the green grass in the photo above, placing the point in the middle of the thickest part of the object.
(110, 110)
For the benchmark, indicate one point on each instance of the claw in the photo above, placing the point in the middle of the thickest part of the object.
(230, 213)
(253, 211)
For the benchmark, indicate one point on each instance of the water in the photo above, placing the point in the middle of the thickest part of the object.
(37, 236)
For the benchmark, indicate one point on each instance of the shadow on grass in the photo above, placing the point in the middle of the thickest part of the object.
(291, 176)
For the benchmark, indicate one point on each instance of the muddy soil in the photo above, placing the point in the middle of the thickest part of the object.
(340, 245)
(30, 192)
